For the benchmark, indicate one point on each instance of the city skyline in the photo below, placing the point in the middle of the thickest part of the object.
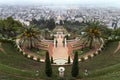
(101, 3)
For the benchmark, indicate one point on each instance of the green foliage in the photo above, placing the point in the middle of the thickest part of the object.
(82, 59)
(75, 66)
(50, 24)
(9, 27)
(61, 22)
(46, 34)
(26, 55)
(41, 23)
(98, 67)
(74, 28)
(29, 37)
(99, 51)
(93, 33)
(38, 59)
(89, 57)
(48, 67)
(115, 35)
(95, 54)
(11, 70)
(21, 52)
(5, 40)
(31, 57)
(67, 37)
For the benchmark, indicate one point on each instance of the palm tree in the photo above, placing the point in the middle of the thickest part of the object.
(9, 27)
(92, 33)
(29, 37)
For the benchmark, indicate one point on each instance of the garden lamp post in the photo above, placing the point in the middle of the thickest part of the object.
(61, 71)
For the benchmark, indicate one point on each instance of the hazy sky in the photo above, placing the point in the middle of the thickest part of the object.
(103, 2)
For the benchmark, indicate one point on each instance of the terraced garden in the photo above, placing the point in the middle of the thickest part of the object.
(14, 66)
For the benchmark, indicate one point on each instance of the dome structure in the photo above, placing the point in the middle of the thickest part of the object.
(59, 18)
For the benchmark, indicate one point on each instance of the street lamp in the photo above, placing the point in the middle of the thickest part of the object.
(61, 71)
(37, 73)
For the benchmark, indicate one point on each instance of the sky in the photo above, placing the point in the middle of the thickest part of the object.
(112, 3)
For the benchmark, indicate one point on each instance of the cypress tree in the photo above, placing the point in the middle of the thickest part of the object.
(75, 66)
(52, 60)
(48, 67)
(68, 59)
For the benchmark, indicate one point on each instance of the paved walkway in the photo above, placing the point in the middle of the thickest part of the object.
(91, 52)
(60, 52)
(1, 49)
(118, 48)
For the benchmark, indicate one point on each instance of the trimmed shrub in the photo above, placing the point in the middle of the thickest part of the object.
(99, 51)
(95, 54)
(52, 60)
(82, 59)
(75, 66)
(21, 52)
(89, 57)
(104, 45)
(31, 57)
(25, 55)
(38, 59)
(102, 48)
(48, 67)
(69, 60)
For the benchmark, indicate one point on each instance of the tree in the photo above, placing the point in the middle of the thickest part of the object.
(41, 23)
(29, 37)
(52, 60)
(51, 24)
(1, 27)
(9, 27)
(69, 60)
(75, 66)
(61, 22)
(46, 33)
(93, 33)
(48, 67)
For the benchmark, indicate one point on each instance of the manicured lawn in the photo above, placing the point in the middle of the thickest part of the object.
(14, 66)
(105, 59)
(82, 52)
(103, 64)
(12, 58)
(15, 60)
(110, 76)
(6, 76)
(41, 53)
